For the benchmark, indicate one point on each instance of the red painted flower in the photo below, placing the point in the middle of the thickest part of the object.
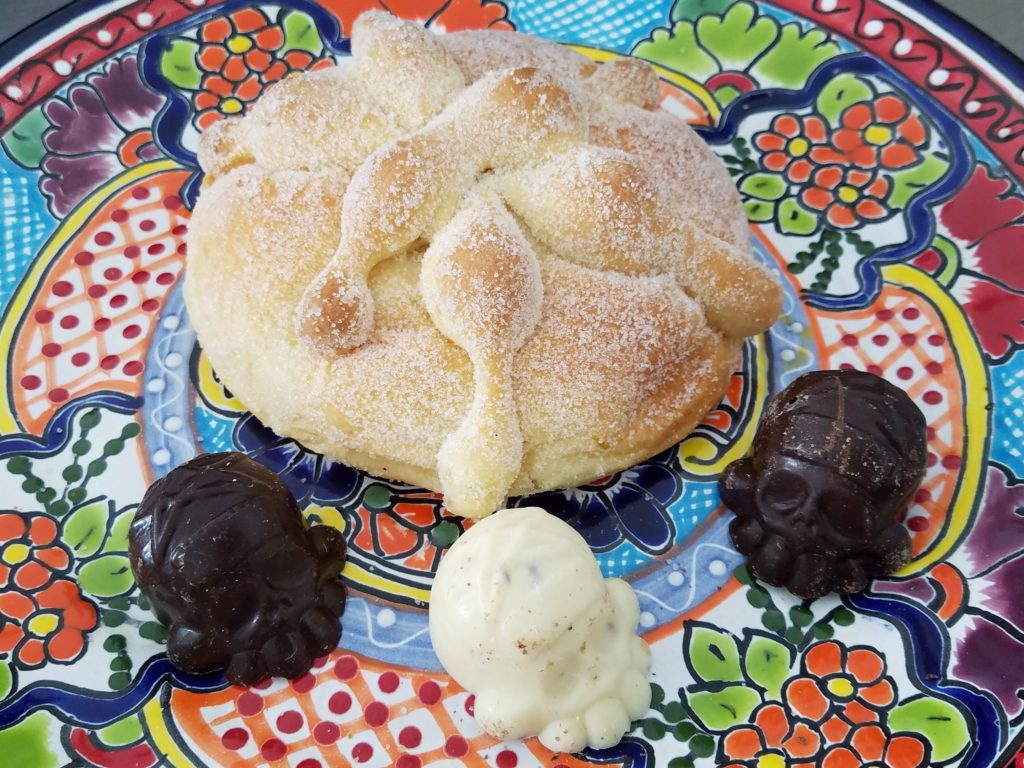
(442, 15)
(221, 97)
(788, 145)
(29, 552)
(239, 43)
(840, 687)
(870, 745)
(984, 219)
(773, 741)
(48, 626)
(240, 55)
(849, 197)
(883, 132)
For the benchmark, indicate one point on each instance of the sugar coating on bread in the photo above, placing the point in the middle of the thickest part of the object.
(477, 262)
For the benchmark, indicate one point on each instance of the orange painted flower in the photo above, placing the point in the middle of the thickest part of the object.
(847, 196)
(29, 552)
(239, 56)
(221, 97)
(49, 626)
(773, 741)
(871, 745)
(788, 145)
(883, 132)
(446, 15)
(840, 688)
(238, 44)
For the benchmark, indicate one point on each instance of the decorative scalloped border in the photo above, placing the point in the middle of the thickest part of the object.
(40, 75)
(983, 106)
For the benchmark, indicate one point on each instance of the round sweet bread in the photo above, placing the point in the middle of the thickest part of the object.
(476, 262)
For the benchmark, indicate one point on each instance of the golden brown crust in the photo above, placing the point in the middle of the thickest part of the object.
(486, 289)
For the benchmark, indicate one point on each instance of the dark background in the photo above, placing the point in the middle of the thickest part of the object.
(1002, 19)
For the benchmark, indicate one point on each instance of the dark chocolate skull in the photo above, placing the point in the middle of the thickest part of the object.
(837, 458)
(221, 551)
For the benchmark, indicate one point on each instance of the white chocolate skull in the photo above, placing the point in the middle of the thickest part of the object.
(521, 616)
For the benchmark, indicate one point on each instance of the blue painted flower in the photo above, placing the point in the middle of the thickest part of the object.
(631, 505)
(309, 476)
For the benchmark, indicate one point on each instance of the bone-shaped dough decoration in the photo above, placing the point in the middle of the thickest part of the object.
(481, 284)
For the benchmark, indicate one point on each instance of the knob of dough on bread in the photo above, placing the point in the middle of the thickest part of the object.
(624, 81)
(404, 64)
(740, 297)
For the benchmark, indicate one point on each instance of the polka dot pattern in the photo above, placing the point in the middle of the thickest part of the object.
(894, 339)
(100, 298)
(334, 715)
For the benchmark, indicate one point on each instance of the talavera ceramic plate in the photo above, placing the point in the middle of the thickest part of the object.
(908, 265)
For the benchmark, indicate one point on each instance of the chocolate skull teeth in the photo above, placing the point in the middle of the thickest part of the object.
(221, 551)
(837, 457)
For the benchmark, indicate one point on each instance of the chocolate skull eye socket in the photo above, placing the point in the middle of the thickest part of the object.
(783, 492)
(849, 513)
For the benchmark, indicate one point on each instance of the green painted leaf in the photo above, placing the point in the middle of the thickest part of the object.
(759, 210)
(727, 94)
(839, 93)
(679, 50)
(178, 64)
(767, 663)
(794, 219)
(122, 733)
(721, 710)
(28, 742)
(24, 142)
(907, 183)
(117, 541)
(690, 10)
(91, 419)
(936, 720)
(764, 186)
(86, 528)
(713, 655)
(300, 33)
(738, 37)
(657, 695)
(6, 679)
(794, 57)
(106, 576)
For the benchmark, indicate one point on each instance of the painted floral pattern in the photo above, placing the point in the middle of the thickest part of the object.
(871, 745)
(734, 49)
(238, 57)
(647, 490)
(984, 225)
(441, 15)
(833, 705)
(772, 739)
(48, 625)
(855, 160)
(233, 58)
(837, 159)
(883, 132)
(840, 687)
(30, 554)
(846, 197)
(102, 126)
